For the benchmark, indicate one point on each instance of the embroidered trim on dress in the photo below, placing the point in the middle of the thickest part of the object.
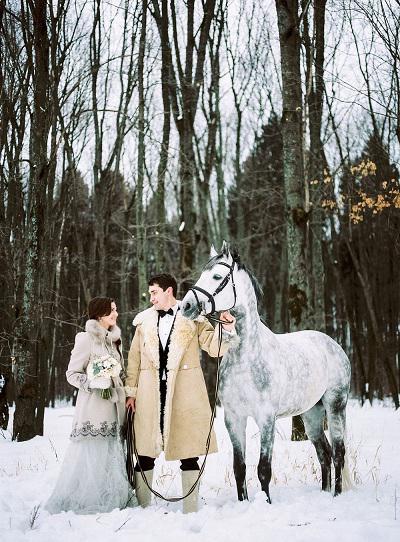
(87, 429)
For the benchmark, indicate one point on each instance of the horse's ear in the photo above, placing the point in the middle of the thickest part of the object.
(225, 248)
(235, 253)
(213, 252)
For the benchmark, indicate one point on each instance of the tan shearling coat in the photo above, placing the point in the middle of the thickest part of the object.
(187, 409)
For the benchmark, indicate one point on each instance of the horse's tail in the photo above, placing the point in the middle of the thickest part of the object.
(348, 482)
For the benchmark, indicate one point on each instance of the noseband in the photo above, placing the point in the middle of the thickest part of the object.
(210, 297)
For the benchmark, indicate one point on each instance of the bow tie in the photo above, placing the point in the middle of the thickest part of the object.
(163, 313)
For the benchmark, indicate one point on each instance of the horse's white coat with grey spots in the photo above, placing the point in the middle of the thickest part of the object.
(268, 375)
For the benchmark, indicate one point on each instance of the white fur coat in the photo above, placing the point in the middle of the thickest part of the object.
(95, 417)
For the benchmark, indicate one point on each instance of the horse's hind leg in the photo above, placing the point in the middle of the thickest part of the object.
(267, 435)
(335, 405)
(314, 425)
(236, 427)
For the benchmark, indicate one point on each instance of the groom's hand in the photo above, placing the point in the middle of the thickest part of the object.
(130, 403)
(230, 320)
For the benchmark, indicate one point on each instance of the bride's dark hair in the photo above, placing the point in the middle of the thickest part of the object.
(99, 306)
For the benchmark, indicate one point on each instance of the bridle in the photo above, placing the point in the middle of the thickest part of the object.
(221, 286)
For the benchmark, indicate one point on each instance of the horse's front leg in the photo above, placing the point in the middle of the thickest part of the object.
(236, 427)
(267, 434)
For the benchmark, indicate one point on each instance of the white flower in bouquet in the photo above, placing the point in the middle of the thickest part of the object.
(100, 370)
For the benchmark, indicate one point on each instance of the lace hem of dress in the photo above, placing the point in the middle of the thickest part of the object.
(87, 429)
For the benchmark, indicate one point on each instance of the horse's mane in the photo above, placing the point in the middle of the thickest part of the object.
(241, 267)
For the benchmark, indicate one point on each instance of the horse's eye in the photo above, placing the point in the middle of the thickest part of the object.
(217, 277)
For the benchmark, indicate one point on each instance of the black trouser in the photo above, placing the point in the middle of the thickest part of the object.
(147, 463)
(163, 396)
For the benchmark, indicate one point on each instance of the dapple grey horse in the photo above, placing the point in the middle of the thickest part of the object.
(269, 376)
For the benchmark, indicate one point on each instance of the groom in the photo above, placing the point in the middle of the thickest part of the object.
(166, 389)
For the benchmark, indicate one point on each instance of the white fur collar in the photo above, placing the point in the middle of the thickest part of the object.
(100, 334)
(181, 336)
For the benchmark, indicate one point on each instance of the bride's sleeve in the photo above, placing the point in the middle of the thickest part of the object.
(76, 372)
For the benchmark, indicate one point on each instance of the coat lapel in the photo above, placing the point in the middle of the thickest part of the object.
(151, 337)
(181, 336)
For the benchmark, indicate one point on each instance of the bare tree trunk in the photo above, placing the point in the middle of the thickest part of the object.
(140, 229)
(163, 162)
(184, 88)
(98, 256)
(293, 171)
(15, 80)
(317, 162)
(221, 190)
(243, 65)
(29, 327)
(207, 220)
(297, 218)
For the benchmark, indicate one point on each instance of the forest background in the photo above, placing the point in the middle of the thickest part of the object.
(133, 134)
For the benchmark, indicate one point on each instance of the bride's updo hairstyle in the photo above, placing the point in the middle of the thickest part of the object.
(99, 306)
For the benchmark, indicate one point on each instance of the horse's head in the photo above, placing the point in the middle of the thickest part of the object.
(215, 290)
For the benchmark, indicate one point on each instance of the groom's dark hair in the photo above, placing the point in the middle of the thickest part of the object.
(164, 281)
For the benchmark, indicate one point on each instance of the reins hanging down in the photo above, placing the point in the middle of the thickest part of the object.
(131, 440)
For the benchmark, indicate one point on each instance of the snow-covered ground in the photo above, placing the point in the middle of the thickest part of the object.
(300, 511)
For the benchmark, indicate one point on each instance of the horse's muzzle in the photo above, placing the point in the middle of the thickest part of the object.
(189, 307)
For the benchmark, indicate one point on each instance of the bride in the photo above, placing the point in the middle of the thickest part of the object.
(93, 477)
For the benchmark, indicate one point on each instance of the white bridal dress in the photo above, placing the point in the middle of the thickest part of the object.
(93, 476)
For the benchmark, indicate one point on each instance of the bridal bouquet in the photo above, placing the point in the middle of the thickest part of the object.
(100, 370)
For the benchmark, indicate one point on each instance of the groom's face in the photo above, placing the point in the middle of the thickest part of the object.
(159, 298)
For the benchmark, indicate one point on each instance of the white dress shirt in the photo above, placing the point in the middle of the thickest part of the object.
(165, 325)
